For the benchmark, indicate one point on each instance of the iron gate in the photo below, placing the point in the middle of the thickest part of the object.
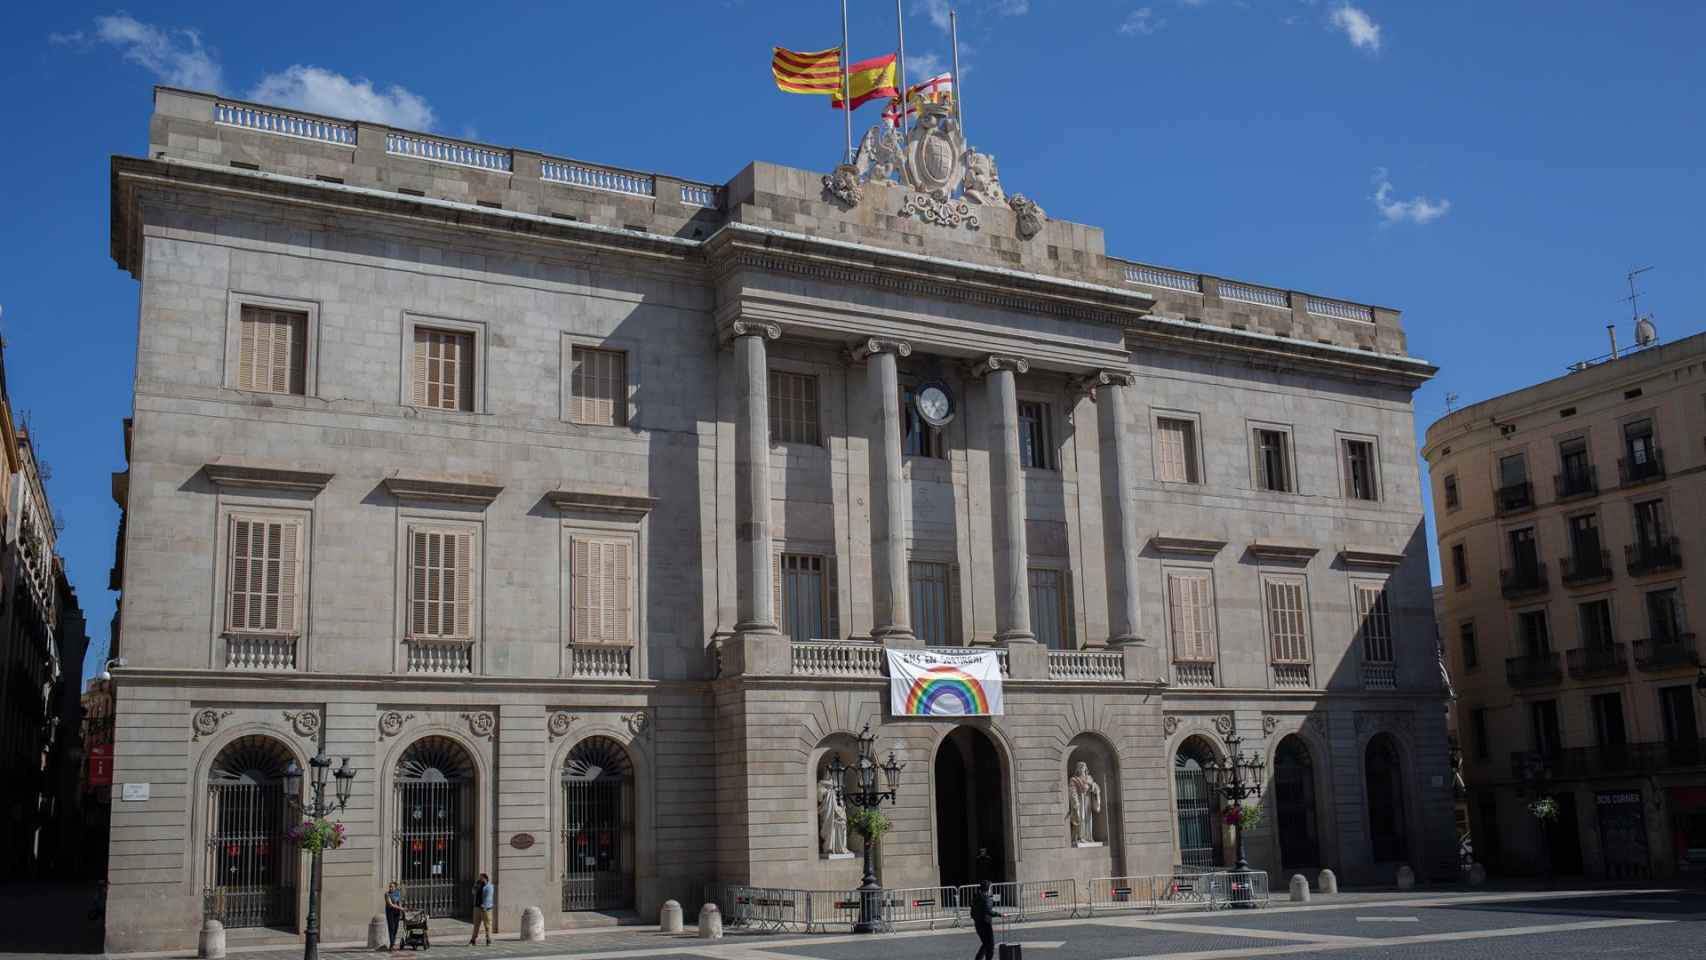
(597, 829)
(434, 835)
(251, 865)
(1195, 812)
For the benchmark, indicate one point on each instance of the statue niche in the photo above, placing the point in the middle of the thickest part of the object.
(1084, 807)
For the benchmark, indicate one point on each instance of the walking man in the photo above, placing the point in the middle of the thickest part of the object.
(485, 898)
(983, 914)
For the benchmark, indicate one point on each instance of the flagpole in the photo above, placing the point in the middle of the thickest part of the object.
(900, 25)
(846, 81)
(959, 89)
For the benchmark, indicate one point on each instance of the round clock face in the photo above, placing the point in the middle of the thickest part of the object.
(934, 404)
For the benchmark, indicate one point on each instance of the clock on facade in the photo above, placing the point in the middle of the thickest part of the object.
(934, 403)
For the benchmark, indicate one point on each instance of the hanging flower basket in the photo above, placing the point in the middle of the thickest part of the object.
(868, 822)
(315, 836)
(1545, 809)
(1242, 817)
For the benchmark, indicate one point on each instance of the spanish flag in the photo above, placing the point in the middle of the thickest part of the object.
(869, 79)
(818, 72)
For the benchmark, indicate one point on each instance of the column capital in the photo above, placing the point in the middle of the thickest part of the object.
(749, 328)
(997, 361)
(1091, 382)
(863, 349)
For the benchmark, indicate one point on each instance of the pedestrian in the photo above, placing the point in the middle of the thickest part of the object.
(983, 914)
(485, 898)
(393, 912)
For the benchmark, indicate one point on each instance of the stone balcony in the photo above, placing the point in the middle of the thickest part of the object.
(864, 659)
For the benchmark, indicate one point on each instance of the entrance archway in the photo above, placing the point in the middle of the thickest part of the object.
(1195, 805)
(251, 864)
(434, 836)
(1294, 804)
(1383, 772)
(598, 827)
(971, 809)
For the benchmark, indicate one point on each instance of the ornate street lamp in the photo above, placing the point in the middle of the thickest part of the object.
(1237, 778)
(865, 769)
(316, 808)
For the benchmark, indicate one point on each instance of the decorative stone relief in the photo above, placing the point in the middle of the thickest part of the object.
(639, 725)
(842, 186)
(1223, 724)
(1269, 723)
(559, 723)
(306, 723)
(1030, 216)
(1369, 721)
(945, 213)
(983, 180)
(205, 722)
(391, 723)
(482, 724)
(1169, 725)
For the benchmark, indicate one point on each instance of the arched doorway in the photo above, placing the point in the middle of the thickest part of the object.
(1294, 804)
(434, 835)
(251, 864)
(971, 805)
(598, 827)
(1195, 804)
(1383, 772)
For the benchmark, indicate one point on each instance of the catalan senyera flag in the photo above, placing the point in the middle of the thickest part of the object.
(869, 80)
(818, 72)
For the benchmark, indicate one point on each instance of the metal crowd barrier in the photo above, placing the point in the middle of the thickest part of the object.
(1245, 888)
(923, 905)
(1030, 899)
(767, 908)
(1182, 890)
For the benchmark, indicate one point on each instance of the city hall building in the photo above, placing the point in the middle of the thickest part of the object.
(576, 507)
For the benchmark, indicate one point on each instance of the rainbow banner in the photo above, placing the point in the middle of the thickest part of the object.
(932, 683)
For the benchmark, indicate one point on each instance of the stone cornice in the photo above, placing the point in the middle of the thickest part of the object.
(1186, 546)
(995, 362)
(439, 490)
(1374, 558)
(1283, 552)
(259, 477)
(623, 505)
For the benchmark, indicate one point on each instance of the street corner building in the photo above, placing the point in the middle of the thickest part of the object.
(582, 508)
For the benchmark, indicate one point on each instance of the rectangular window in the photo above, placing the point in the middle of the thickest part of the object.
(1584, 541)
(1483, 746)
(1676, 712)
(601, 590)
(1638, 446)
(1451, 500)
(1177, 448)
(1664, 615)
(1357, 465)
(1649, 523)
(1525, 554)
(1513, 470)
(935, 594)
(1376, 620)
(1531, 631)
(441, 583)
(262, 576)
(272, 350)
(444, 369)
(1574, 470)
(1608, 730)
(1288, 621)
(1190, 609)
(1466, 639)
(598, 386)
(920, 438)
(805, 596)
(1273, 462)
(1543, 718)
(1595, 620)
(1049, 616)
(1459, 565)
(793, 408)
(1036, 448)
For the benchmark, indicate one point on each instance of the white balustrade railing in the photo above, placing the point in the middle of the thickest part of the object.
(250, 651)
(1266, 296)
(1341, 310)
(694, 195)
(596, 178)
(838, 658)
(1086, 665)
(1193, 673)
(1291, 675)
(440, 656)
(601, 661)
(1379, 676)
(284, 124)
(1159, 277)
(448, 151)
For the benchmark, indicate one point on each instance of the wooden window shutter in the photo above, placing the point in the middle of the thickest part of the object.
(580, 592)
(832, 599)
(622, 606)
(778, 608)
(422, 346)
(956, 623)
(289, 541)
(464, 575)
(248, 328)
(1347, 482)
(1177, 624)
(237, 579)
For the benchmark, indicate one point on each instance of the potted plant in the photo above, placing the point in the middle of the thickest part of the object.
(317, 835)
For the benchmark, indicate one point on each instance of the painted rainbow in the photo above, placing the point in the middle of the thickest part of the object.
(943, 687)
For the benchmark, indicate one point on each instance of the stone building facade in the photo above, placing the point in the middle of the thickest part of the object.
(1570, 572)
(575, 506)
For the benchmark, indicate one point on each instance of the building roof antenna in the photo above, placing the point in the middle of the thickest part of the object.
(1634, 297)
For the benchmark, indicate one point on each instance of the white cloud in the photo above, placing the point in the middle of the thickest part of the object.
(1417, 209)
(936, 10)
(1010, 8)
(1356, 25)
(318, 90)
(1141, 23)
(922, 65)
(174, 57)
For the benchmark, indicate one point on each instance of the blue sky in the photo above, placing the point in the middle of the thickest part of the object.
(1490, 168)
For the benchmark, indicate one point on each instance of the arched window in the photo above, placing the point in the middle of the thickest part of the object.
(434, 836)
(251, 865)
(598, 827)
(1195, 805)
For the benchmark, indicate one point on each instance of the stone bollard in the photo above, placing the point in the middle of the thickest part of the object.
(212, 943)
(710, 922)
(1328, 883)
(1477, 874)
(1299, 889)
(533, 925)
(669, 918)
(1406, 878)
(377, 934)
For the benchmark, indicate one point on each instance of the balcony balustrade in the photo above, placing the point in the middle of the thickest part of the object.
(1658, 654)
(1379, 675)
(1576, 482)
(1632, 472)
(1655, 556)
(1193, 673)
(1513, 498)
(1599, 660)
(1525, 579)
(260, 651)
(1533, 670)
(1291, 675)
(1086, 665)
(1588, 566)
(603, 661)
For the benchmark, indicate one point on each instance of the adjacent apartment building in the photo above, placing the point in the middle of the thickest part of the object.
(1572, 571)
(577, 505)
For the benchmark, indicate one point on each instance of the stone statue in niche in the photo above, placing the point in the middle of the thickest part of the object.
(1083, 802)
(831, 820)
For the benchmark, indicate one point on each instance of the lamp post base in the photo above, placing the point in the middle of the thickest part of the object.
(870, 908)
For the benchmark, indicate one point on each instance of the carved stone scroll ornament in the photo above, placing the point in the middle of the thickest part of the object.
(559, 722)
(206, 722)
(481, 723)
(391, 723)
(946, 213)
(1269, 723)
(306, 723)
(1030, 216)
(842, 186)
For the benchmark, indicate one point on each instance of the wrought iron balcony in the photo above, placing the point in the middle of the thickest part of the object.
(1656, 556)
(1599, 660)
(1513, 498)
(1632, 472)
(1525, 579)
(1576, 482)
(1536, 670)
(1592, 566)
(1623, 759)
(1656, 654)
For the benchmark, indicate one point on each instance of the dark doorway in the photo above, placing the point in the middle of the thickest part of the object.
(1383, 772)
(1564, 837)
(1195, 806)
(971, 804)
(251, 864)
(1294, 803)
(598, 827)
(434, 827)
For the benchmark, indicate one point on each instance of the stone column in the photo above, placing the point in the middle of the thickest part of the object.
(1107, 389)
(889, 581)
(754, 603)
(1007, 493)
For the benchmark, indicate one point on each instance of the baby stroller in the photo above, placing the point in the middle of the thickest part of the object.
(415, 930)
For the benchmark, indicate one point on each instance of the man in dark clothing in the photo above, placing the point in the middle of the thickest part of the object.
(983, 913)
